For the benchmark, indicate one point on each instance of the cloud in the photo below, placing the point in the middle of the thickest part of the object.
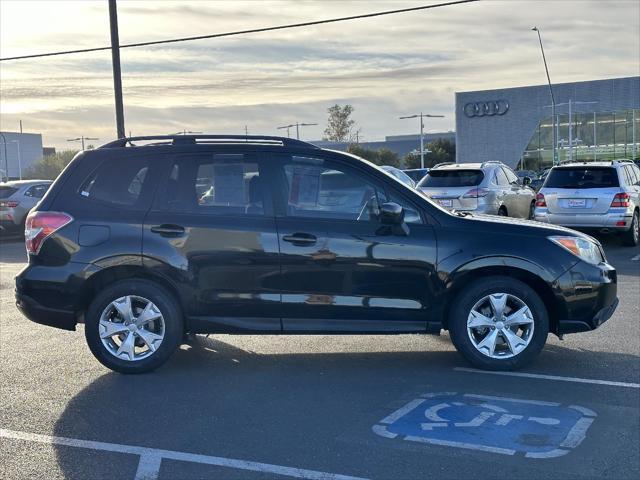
(385, 66)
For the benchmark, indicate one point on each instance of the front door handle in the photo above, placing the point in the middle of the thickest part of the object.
(168, 230)
(300, 239)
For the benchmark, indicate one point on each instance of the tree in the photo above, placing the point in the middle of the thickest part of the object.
(49, 166)
(340, 127)
(383, 156)
(441, 150)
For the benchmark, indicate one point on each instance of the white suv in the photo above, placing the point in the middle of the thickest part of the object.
(602, 196)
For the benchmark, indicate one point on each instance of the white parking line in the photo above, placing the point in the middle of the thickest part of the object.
(150, 458)
(636, 258)
(552, 377)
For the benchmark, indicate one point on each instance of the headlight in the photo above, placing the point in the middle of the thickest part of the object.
(580, 247)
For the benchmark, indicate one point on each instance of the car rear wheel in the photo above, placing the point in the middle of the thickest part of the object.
(631, 237)
(499, 323)
(532, 210)
(502, 211)
(133, 326)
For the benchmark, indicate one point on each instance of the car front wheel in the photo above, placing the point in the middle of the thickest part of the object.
(133, 326)
(499, 323)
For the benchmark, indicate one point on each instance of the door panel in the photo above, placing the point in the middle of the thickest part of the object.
(213, 233)
(341, 269)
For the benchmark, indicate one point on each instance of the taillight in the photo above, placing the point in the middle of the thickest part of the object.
(476, 192)
(9, 204)
(540, 201)
(621, 200)
(39, 225)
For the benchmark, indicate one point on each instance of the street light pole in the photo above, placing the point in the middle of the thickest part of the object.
(6, 158)
(117, 73)
(553, 100)
(297, 125)
(421, 117)
(81, 139)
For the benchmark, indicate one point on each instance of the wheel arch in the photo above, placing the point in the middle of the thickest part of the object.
(461, 279)
(107, 276)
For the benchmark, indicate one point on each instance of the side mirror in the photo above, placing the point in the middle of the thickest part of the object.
(526, 181)
(391, 214)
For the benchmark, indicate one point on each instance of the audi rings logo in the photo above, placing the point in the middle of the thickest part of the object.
(486, 109)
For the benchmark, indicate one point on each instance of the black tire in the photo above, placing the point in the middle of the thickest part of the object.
(630, 238)
(532, 210)
(466, 300)
(166, 303)
(502, 211)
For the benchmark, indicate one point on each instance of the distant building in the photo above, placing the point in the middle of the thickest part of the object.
(400, 144)
(19, 152)
(514, 125)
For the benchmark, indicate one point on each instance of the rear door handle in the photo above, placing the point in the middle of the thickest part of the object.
(300, 239)
(168, 230)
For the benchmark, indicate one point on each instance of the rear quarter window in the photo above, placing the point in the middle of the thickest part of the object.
(118, 182)
(582, 177)
(452, 178)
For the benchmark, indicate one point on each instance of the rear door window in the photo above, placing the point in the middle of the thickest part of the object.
(500, 177)
(582, 177)
(452, 178)
(511, 177)
(217, 184)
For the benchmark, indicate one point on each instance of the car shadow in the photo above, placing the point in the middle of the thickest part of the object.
(215, 398)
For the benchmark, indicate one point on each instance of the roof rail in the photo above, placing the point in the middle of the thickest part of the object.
(490, 161)
(193, 139)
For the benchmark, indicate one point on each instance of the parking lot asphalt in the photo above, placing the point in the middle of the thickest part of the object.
(255, 407)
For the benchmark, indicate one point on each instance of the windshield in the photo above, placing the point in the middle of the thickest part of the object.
(6, 192)
(582, 177)
(452, 178)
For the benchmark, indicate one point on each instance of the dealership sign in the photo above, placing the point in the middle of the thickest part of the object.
(486, 109)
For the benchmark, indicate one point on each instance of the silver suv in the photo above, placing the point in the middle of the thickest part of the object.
(602, 196)
(16, 199)
(490, 188)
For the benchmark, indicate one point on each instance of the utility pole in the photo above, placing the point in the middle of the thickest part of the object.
(421, 116)
(82, 139)
(117, 73)
(553, 100)
(297, 125)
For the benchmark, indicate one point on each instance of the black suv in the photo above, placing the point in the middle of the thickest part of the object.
(147, 239)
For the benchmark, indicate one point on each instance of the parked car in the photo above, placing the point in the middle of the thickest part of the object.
(16, 199)
(521, 174)
(416, 174)
(601, 196)
(400, 175)
(490, 188)
(292, 239)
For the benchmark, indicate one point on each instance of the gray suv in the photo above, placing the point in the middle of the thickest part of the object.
(603, 196)
(16, 199)
(488, 188)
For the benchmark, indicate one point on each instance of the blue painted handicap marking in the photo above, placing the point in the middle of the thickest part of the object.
(494, 424)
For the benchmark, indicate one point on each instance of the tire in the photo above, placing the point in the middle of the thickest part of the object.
(169, 324)
(630, 238)
(502, 212)
(532, 210)
(503, 357)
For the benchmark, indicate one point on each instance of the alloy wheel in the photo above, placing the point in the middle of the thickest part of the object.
(131, 328)
(500, 325)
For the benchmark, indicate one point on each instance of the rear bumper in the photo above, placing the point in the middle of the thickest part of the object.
(588, 295)
(602, 221)
(51, 317)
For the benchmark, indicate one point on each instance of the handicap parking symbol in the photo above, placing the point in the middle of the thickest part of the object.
(503, 425)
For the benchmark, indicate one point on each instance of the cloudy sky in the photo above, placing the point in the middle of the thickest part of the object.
(385, 67)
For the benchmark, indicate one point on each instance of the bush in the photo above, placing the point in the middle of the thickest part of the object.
(382, 156)
(49, 166)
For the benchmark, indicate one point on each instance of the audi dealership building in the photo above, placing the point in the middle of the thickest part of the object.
(597, 119)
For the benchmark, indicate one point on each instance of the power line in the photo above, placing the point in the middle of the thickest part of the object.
(245, 32)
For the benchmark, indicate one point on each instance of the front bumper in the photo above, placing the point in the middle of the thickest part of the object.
(587, 295)
(602, 221)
